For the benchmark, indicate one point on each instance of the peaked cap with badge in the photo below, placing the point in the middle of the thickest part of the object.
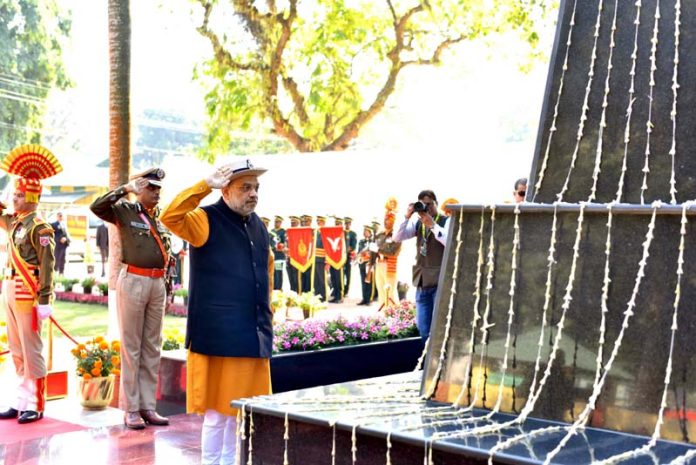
(153, 175)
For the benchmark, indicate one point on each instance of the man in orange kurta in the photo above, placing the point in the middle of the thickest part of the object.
(229, 329)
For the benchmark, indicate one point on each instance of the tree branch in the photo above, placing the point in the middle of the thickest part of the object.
(221, 54)
(281, 124)
(298, 99)
(437, 54)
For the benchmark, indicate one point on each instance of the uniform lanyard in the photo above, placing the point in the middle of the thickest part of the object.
(165, 257)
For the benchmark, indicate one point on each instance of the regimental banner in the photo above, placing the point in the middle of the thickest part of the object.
(77, 227)
(334, 241)
(300, 247)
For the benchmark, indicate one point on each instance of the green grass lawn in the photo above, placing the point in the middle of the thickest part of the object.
(89, 320)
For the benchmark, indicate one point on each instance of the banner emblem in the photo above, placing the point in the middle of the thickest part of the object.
(334, 241)
(301, 247)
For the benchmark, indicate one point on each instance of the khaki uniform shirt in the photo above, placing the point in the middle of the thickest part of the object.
(35, 242)
(138, 246)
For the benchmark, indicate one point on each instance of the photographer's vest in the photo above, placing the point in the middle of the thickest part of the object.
(229, 311)
(426, 271)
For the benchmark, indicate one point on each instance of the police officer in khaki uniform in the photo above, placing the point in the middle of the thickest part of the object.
(28, 284)
(141, 290)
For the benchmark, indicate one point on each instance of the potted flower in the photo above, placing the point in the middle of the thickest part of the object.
(310, 304)
(181, 293)
(172, 339)
(87, 284)
(98, 361)
(103, 288)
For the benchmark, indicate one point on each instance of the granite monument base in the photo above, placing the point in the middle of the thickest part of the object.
(314, 427)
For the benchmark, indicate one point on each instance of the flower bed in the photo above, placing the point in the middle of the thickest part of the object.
(172, 309)
(82, 298)
(395, 322)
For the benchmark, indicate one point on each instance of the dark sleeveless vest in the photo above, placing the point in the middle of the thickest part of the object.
(229, 311)
(426, 271)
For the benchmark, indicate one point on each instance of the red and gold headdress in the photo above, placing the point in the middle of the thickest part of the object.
(31, 163)
(449, 201)
(390, 208)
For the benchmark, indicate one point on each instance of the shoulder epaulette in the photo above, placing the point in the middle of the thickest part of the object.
(46, 231)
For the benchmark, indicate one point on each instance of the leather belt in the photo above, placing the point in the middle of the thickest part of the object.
(147, 272)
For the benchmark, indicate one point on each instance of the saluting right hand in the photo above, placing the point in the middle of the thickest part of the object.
(137, 185)
(409, 211)
(220, 178)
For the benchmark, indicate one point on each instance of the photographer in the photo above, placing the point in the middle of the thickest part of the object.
(430, 230)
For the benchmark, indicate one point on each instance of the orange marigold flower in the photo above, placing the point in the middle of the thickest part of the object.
(96, 371)
(98, 363)
(86, 376)
(81, 347)
(116, 371)
(98, 339)
(103, 345)
(115, 342)
(116, 360)
(80, 370)
(75, 352)
(83, 354)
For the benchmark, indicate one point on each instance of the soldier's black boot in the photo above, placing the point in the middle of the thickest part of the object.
(9, 414)
(29, 416)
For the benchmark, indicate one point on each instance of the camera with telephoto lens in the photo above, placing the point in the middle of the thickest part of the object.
(419, 207)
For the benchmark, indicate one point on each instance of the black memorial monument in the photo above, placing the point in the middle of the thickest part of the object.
(565, 325)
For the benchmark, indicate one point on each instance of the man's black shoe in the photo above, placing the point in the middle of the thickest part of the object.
(9, 414)
(29, 416)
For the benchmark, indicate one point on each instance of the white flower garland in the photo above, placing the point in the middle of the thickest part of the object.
(605, 105)
(475, 311)
(649, 124)
(552, 129)
(580, 422)
(450, 310)
(585, 104)
(668, 369)
(675, 88)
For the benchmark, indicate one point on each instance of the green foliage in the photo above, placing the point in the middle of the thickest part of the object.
(67, 283)
(88, 283)
(31, 34)
(172, 339)
(103, 288)
(181, 292)
(316, 71)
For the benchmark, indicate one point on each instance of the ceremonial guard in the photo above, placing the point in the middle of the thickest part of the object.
(306, 277)
(320, 262)
(363, 260)
(351, 247)
(28, 284)
(336, 276)
(385, 258)
(141, 290)
(279, 243)
(293, 274)
(266, 221)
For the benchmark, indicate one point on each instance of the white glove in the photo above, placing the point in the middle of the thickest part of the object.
(220, 178)
(373, 247)
(44, 311)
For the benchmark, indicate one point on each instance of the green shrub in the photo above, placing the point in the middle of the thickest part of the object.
(103, 288)
(87, 284)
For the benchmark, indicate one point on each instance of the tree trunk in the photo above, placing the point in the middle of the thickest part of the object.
(119, 129)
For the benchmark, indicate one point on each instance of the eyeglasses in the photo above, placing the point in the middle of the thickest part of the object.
(246, 187)
(521, 193)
